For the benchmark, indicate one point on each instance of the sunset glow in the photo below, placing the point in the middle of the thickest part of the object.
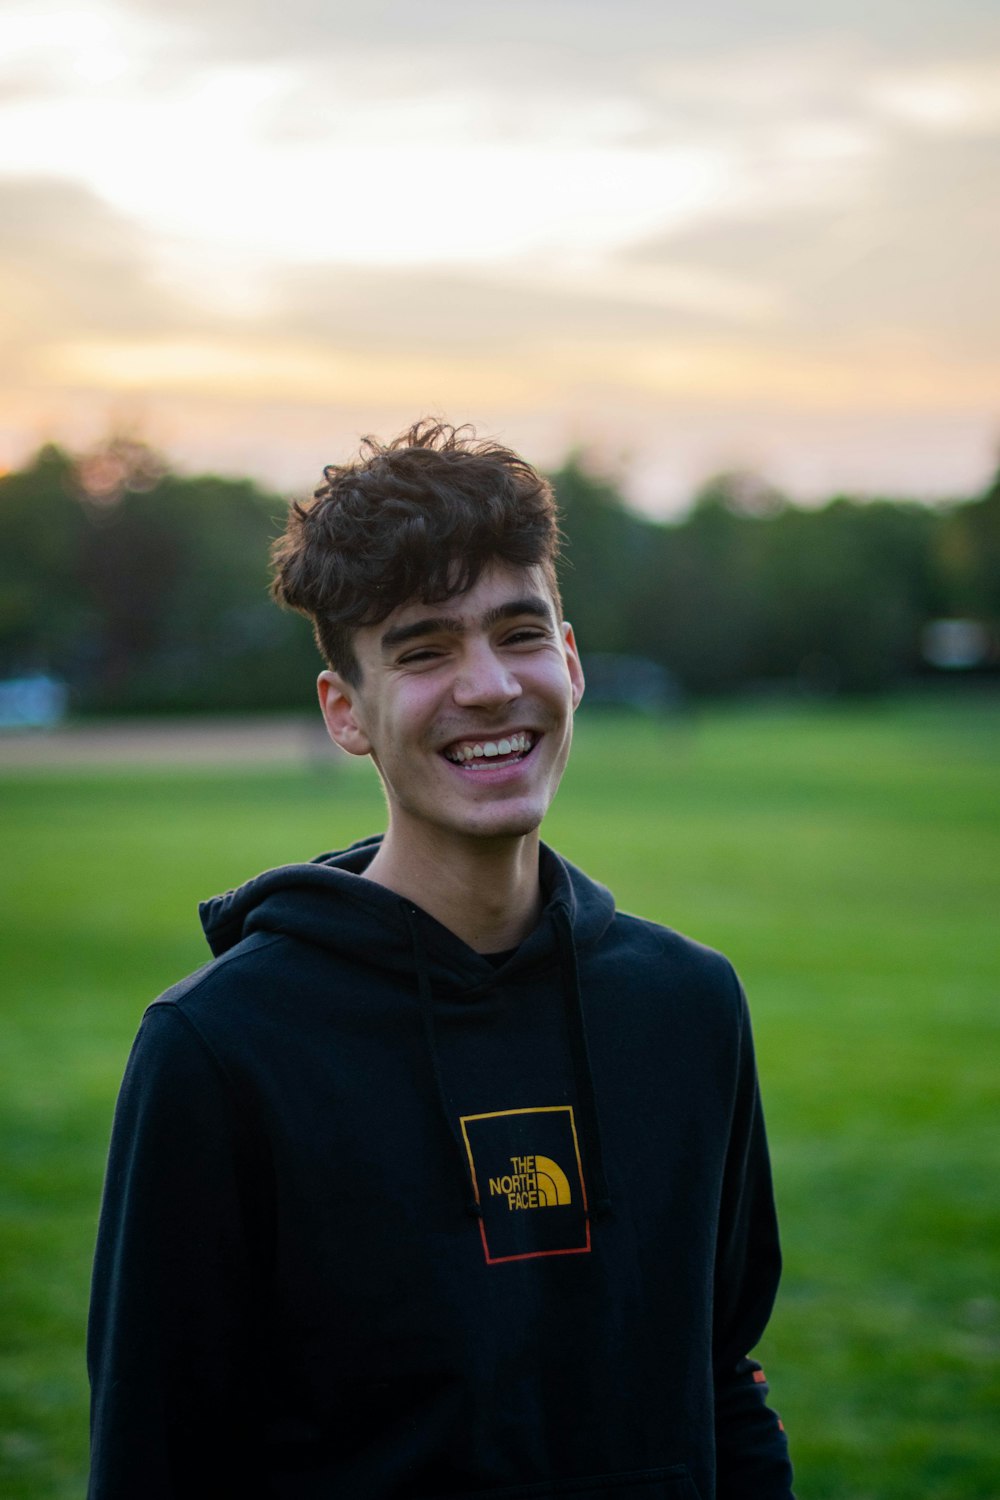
(260, 234)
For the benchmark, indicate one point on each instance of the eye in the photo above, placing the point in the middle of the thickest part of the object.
(417, 658)
(525, 635)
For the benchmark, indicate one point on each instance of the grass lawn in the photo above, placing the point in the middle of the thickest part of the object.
(848, 860)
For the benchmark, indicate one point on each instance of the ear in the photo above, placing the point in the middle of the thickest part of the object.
(573, 663)
(338, 701)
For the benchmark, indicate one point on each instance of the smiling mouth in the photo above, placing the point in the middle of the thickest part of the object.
(482, 755)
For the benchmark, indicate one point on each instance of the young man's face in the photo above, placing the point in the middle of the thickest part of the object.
(466, 707)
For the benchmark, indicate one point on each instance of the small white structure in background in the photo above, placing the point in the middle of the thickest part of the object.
(37, 702)
(955, 645)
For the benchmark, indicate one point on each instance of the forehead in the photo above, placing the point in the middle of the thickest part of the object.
(498, 585)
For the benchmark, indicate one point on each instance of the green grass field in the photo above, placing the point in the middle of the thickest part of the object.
(848, 860)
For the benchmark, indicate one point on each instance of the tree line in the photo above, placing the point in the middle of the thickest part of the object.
(146, 591)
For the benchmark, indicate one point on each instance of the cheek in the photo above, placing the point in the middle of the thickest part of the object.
(407, 719)
(559, 687)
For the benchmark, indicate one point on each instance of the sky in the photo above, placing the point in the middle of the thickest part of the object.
(676, 239)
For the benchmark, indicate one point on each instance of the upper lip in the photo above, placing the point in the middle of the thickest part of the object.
(485, 736)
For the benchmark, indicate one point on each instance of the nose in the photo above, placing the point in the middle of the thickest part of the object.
(483, 679)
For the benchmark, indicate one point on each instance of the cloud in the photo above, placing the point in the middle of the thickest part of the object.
(582, 38)
(556, 211)
(69, 263)
(691, 58)
(960, 98)
(73, 272)
(911, 258)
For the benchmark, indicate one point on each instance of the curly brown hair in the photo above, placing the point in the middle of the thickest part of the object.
(417, 518)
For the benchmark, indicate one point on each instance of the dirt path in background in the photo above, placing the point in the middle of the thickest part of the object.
(171, 743)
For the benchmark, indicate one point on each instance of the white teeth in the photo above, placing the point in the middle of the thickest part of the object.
(515, 744)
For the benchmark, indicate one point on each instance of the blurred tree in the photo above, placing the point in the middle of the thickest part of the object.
(605, 556)
(966, 553)
(147, 590)
(701, 604)
(47, 621)
(843, 593)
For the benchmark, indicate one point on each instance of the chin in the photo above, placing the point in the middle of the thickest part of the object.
(513, 825)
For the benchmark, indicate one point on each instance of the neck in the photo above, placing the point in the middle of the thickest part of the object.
(485, 891)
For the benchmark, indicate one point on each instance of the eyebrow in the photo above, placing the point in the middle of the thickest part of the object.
(531, 604)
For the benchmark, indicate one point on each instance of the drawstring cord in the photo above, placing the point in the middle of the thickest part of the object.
(590, 1128)
(471, 1202)
(590, 1124)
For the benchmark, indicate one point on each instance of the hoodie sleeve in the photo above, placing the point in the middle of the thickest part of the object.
(170, 1349)
(751, 1450)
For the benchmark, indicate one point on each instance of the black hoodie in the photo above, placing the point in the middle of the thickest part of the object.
(386, 1218)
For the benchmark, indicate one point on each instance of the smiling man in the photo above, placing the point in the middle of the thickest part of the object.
(468, 716)
(445, 1178)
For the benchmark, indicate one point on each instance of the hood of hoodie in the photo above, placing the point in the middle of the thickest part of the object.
(327, 901)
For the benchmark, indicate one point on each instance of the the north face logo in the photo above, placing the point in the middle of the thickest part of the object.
(533, 1182)
(528, 1178)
